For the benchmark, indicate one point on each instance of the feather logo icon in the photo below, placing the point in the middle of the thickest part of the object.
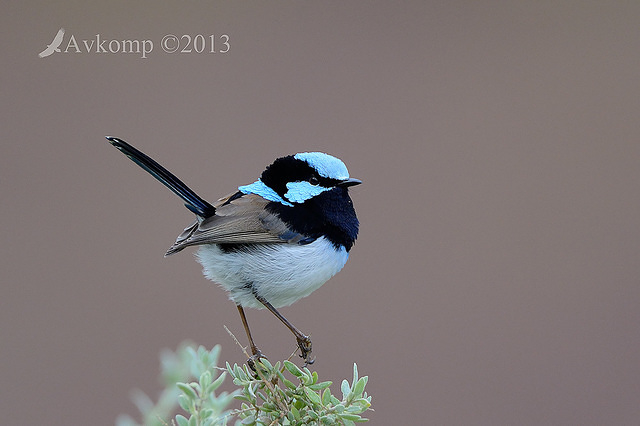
(54, 46)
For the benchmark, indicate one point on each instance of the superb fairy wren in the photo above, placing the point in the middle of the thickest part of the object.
(274, 241)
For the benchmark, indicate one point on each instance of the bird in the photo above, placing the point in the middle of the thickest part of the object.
(54, 46)
(271, 242)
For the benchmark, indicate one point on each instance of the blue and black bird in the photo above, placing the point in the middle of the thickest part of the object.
(274, 241)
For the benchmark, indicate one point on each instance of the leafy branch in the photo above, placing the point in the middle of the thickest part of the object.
(192, 377)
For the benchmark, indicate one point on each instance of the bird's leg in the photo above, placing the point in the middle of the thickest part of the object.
(255, 352)
(304, 342)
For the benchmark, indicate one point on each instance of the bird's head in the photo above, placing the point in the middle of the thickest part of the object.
(297, 178)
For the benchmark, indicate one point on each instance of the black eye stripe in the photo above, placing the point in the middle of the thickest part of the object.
(320, 180)
(288, 169)
(328, 182)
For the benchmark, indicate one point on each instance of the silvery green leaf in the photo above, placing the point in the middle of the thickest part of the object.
(320, 386)
(355, 409)
(205, 379)
(241, 398)
(295, 412)
(269, 406)
(217, 382)
(214, 355)
(182, 420)
(293, 369)
(363, 402)
(187, 390)
(266, 363)
(249, 420)
(352, 417)
(328, 419)
(359, 386)
(184, 402)
(345, 388)
(313, 397)
(252, 394)
(326, 397)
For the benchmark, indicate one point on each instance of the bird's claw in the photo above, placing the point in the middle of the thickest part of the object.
(251, 362)
(304, 343)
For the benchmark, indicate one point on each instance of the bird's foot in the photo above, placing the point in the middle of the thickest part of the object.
(251, 362)
(304, 343)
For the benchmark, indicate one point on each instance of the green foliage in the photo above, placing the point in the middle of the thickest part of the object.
(269, 398)
(192, 377)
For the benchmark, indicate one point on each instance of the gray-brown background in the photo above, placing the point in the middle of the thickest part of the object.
(496, 277)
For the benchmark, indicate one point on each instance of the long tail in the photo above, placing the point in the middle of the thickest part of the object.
(191, 200)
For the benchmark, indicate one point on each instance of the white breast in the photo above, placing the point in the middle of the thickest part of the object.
(281, 273)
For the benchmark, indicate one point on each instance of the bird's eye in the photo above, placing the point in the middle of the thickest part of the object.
(313, 180)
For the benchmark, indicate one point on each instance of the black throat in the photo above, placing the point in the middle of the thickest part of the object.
(330, 215)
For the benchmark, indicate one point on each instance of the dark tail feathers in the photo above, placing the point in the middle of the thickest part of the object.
(191, 200)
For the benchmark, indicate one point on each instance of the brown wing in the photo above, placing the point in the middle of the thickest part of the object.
(243, 220)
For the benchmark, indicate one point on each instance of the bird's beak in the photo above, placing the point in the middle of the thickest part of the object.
(350, 182)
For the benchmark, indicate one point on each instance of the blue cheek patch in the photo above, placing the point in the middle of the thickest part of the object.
(299, 192)
(259, 188)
